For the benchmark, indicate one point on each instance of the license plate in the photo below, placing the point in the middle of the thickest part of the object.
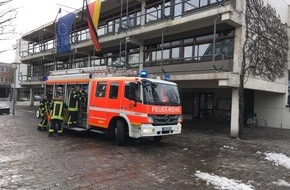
(166, 128)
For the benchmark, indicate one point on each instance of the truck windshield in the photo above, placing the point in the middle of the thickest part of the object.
(160, 93)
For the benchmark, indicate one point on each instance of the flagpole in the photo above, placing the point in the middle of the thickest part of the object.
(67, 6)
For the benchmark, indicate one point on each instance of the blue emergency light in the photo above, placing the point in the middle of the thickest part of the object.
(143, 74)
(45, 78)
(167, 77)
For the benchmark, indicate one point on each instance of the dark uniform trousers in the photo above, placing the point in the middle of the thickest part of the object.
(56, 124)
(57, 113)
(73, 109)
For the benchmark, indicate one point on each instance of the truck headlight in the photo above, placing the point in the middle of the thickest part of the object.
(147, 131)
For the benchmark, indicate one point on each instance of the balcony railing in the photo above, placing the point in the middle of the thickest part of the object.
(117, 25)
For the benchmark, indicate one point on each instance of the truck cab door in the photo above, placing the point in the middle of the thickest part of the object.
(132, 101)
(98, 101)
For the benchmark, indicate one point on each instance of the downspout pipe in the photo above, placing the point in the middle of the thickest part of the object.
(162, 47)
(214, 42)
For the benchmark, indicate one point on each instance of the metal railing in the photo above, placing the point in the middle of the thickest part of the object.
(111, 29)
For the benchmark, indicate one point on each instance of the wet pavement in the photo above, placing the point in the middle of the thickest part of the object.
(29, 159)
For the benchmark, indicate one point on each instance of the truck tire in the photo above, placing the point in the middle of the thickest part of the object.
(120, 133)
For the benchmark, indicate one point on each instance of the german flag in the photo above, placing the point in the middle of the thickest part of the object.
(93, 13)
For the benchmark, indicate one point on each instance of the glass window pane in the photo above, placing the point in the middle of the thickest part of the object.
(166, 54)
(101, 30)
(188, 51)
(167, 9)
(147, 56)
(204, 49)
(177, 8)
(191, 4)
(110, 26)
(101, 90)
(114, 91)
(158, 9)
(154, 55)
(203, 2)
(175, 52)
(158, 55)
(228, 48)
(151, 14)
(218, 47)
(134, 58)
(138, 18)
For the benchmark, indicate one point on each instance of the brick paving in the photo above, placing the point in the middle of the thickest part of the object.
(29, 159)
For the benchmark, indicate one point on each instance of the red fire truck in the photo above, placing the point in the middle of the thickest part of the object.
(122, 106)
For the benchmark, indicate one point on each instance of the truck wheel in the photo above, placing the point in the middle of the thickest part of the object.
(120, 133)
(157, 139)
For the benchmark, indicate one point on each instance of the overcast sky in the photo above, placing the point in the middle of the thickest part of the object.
(33, 14)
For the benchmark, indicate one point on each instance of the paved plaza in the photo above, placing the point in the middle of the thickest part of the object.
(202, 157)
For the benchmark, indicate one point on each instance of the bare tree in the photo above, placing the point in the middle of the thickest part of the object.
(265, 47)
(7, 16)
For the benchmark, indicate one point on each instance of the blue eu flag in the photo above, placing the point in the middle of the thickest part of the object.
(63, 33)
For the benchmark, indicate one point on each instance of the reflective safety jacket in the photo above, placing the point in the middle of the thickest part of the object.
(44, 107)
(57, 110)
(73, 104)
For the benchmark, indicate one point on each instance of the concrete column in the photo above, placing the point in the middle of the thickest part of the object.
(31, 73)
(235, 113)
(143, 13)
(89, 61)
(141, 58)
(31, 97)
(238, 50)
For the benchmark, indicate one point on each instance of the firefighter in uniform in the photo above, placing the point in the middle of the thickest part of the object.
(57, 113)
(73, 108)
(44, 111)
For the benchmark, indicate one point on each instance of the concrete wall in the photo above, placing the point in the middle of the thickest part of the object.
(20, 46)
(272, 108)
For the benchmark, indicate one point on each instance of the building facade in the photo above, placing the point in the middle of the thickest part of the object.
(6, 79)
(198, 42)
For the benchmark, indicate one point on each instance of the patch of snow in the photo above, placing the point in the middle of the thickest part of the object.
(282, 183)
(278, 159)
(258, 152)
(225, 146)
(223, 182)
(184, 149)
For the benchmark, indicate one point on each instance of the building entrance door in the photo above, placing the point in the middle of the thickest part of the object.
(202, 105)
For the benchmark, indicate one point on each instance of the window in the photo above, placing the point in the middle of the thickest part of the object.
(175, 52)
(114, 89)
(101, 89)
(190, 5)
(127, 88)
(137, 92)
(178, 8)
(203, 2)
(188, 52)
(195, 48)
